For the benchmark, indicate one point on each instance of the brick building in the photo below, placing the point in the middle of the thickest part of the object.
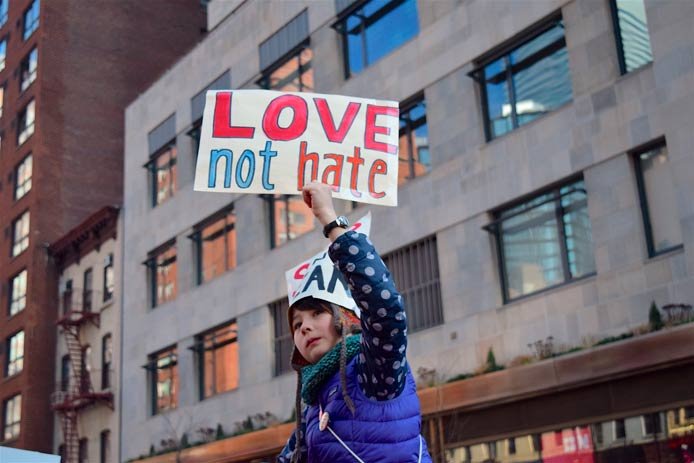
(544, 205)
(67, 70)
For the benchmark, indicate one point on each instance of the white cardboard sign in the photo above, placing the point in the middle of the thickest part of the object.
(262, 141)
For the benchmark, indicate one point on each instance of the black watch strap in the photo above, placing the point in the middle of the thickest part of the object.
(340, 221)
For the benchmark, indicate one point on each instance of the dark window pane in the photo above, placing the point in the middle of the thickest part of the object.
(295, 74)
(414, 143)
(15, 354)
(164, 175)
(284, 343)
(291, 218)
(633, 34)
(22, 176)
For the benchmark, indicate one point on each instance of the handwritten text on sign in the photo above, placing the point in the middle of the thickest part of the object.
(260, 141)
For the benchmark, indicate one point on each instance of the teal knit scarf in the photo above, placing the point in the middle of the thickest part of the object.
(313, 376)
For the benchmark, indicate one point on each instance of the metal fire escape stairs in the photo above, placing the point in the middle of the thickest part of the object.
(79, 393)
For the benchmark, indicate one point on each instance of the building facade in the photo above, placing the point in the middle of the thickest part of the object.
(544, 206)
(85, 400)
(66, 74)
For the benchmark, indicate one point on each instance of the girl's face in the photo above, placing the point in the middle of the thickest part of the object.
(314, 333)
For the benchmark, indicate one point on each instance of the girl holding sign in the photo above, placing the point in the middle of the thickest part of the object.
(361, 399)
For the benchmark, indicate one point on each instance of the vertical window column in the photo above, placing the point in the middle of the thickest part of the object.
(631, 30)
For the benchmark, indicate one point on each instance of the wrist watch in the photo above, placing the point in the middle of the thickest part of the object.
(341, 222)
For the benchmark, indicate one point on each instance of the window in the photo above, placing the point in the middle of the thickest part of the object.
(3, 53)
(106, 360)
(15, 354)
(374, 30)
(292, 74)
(162, 273)
(18, 292)
(4, 5)
(65, 373)
(27, 69)
(66, 297)
(289, 218)
(544, 241)
(31, 20)
(218, 360)
(283, 340)
(414, 141)
(631, 30)
(162, 167)
(421, 288)
(20, 234)
(651, 424)
(22, 177)
(12, 416)
(2, 98)
(87, 290)
(619, 429)
(215, 240)
(109, 278)
(520, 84)
(25, 127)
(655, 181)
(105, 446)
(164, 380)
(83, 451)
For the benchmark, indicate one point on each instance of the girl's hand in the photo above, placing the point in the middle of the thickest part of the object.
(318, 197)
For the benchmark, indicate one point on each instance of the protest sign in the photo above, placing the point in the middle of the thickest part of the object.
(261, 141)
(317, 277)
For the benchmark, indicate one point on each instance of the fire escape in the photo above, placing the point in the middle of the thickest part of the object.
(76, 392)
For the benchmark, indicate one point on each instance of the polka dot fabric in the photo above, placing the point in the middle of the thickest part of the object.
(382, 366)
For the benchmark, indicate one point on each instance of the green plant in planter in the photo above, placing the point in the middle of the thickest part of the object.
(491, 364)
(219, 434)
(655, 320)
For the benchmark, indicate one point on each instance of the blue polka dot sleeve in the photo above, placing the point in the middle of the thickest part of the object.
(381, 367)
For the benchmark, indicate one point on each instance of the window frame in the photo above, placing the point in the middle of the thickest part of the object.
(425, 253)
(516, 42)
(108, 273)
(197, 239)
(494, 229)
(151, 166)
(104, 446)
(25, 133)
(643, 197)
(34, 24)
(3, 56)
(294, 53)
(12, 300)
(13, 424)
(25, 66)
(15, 176)
(152, 265)
(18, 357)
(88, 289)
(172, 353)
(195, 134)
(199, 348)
(18, 246)
(4, 11)
(341, 27)
(106, 361)
(282, 340)
(617, 29)
(272, 200)
(410, 126)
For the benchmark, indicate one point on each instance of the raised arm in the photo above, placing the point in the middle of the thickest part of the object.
(381, 365)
